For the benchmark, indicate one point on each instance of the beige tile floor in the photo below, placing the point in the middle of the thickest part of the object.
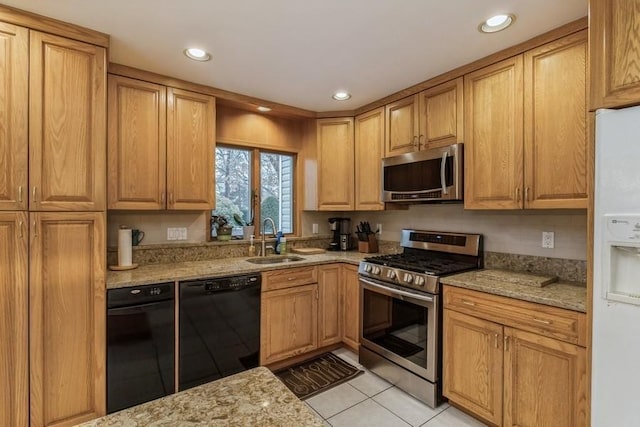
(370, 401)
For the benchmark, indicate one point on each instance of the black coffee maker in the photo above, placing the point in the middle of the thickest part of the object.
(341, 228)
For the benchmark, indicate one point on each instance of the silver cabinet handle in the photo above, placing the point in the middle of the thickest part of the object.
(415, 141)
(546, 322)
(506, 343)
(466, 302)
(443, 178)
(35, 191)
(420, 142)
(21, 226)
(162, 196)
(35, 228)
(497, 342)
(517, 194)
(20, 193)
(171, 197)
(526, 194)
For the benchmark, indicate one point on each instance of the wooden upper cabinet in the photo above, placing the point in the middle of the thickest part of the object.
(335, 164)
(191, 120)
(329, 304)
(615, 53)
(67, 123)
(14, 113)
(472, 364)
(493, 131)
(369, 151)
(137, 144)
(555, 124)
(14, 322)
(441, 115)
(402, 126)
(67, 317)
(533, 364)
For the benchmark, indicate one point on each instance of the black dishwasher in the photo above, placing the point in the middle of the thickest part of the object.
(219, 328)
(140, 345)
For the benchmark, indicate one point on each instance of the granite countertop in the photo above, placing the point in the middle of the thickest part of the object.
(569, 295)
(158, 273)
(251, 398)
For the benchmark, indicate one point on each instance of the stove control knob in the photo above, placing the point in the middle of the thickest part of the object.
(419, 281)
(408, 277)
(375, 270)
(367, 268)
(391, 274)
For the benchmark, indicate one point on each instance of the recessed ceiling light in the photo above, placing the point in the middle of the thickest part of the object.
(263, 109)
(341, 96)
(197, 54)
(496, 23)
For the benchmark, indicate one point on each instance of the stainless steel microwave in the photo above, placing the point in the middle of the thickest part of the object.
(424, 176)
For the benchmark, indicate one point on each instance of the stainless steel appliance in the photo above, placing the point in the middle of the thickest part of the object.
(401, 314)
(342, 239)
(140, 345)
(424, 176)
(219, 328)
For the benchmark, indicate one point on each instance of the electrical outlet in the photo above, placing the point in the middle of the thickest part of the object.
(171, 233)
(314, 228)
(548, 239)
(379, 229)
(181, 233)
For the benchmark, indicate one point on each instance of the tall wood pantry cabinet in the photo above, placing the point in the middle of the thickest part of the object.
(526, 129)
(161, 147)
(52, 201)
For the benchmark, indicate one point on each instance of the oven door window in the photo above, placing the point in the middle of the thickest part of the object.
(400, 328)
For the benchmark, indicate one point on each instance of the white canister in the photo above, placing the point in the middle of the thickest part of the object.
(124, 247)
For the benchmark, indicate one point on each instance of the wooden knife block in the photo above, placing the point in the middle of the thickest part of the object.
(370, 246)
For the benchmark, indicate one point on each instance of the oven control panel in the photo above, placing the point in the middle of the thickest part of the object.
(398, 276)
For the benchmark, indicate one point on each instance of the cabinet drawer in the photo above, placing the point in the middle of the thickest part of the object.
(558, 323)
(281, 279)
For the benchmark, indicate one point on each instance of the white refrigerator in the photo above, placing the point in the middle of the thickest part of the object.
(615, 397)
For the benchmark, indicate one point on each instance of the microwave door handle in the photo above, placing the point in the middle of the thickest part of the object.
(443, 180)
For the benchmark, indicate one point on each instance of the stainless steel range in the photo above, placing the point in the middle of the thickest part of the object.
(401, 313)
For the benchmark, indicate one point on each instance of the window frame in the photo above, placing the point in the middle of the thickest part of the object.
(256, 185)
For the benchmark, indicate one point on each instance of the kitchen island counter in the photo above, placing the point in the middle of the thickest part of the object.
(252, 398)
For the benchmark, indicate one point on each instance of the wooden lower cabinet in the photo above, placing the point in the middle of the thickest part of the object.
(350, 306)
(508, 376)
(329, 304)
(472, 364)
(289, 323)
(14, 320)
(544, 381)
(67, 318)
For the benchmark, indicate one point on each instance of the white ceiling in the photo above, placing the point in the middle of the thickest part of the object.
(298, 52)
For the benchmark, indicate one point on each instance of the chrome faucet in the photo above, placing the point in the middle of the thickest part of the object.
(263, 247)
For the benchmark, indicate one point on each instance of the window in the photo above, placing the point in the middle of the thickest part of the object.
(237, 194)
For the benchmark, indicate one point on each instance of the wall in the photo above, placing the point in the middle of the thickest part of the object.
(517, 232)
(154, 225)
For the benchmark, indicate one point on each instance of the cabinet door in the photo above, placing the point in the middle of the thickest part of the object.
(329, 305)
(137, 144)
(615, 53)
(555, 124)
(494, 136)
(14, 113)
(67, 318)
(403, 127)
(191, 133)
(335, 164)
(544, 381)
(472, 365)
(369, 151)
(67, 123)
(289, 323)
(14, 321)
(351, 306)
(441, 114)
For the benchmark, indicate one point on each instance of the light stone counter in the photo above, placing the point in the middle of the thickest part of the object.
(250, 398)
(158, 273)
(569, 295)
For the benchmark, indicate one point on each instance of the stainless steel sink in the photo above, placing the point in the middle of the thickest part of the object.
(276, 259)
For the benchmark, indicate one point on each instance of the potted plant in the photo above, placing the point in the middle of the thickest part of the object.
(222, 227)
(248, 228)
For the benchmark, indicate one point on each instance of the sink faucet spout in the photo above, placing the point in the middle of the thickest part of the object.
(263, 243)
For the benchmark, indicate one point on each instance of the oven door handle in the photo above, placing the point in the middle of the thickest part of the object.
(393, 291)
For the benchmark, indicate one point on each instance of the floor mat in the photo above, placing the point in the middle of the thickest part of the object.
(317, 375)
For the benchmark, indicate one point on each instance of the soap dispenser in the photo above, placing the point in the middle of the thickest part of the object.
(252, 247)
